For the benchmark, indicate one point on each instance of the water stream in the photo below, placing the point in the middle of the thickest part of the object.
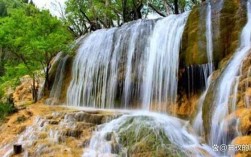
(209, 37)
(170, 131)
(226, 86)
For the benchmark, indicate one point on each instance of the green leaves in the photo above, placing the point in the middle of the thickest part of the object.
(5, 109)
(84, 15)
(29, 38)
(3, 9)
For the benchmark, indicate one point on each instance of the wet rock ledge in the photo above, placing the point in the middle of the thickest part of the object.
(50, 131)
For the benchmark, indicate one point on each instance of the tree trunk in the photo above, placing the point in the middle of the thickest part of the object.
(2, 70)
(176, 6)
(47, 80)
(124, 4)
(34, 89)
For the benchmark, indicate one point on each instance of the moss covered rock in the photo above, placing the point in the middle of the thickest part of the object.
(228, 19)
(141, 138)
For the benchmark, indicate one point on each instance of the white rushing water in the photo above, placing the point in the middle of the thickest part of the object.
(160, 84)
(198, 121)
(107, 68)
(207, 69)
(209, 37)
(58, 81)
(134, 64)
(227, 85)
(177, 131)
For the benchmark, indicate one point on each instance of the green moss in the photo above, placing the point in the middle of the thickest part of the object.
(190, 53)
(232, 20)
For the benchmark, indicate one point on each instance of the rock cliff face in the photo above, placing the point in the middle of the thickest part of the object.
(50, 131)
(22, 95)
(228, 19)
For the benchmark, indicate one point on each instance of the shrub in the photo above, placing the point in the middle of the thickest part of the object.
(5, 110)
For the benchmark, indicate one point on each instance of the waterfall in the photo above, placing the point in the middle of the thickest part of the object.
(107, 70)
(160, 84)
(197, 77)
(131, 66)
(160, 126)
(208, 69)
(198, 121)
(56, 90)
(53, 63)
(209, 37)
(227, 85)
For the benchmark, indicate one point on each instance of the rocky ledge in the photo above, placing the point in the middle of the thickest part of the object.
(50, 131)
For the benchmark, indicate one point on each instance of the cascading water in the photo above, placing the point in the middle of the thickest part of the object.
(58, 82)
(209, 37)
(227, 85)
(197, 77)
(53, 63)
(117, 66)
(50, 135)
(103, 76)
(208, 69)
(160, 84)
(136, 65)
(198, 121)
(170, 131)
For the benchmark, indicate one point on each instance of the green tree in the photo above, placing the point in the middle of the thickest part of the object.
(88, 15)
(3, 9)
(84, 16)
(33, 37)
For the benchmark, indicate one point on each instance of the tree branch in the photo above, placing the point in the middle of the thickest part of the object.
(156, 10)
